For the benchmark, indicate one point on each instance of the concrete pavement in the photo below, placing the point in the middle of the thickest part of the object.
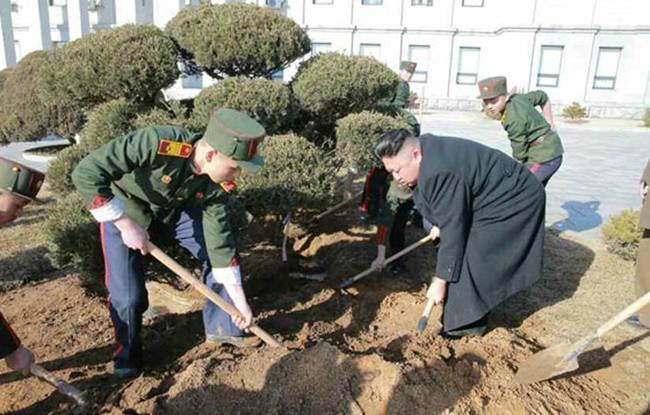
(599, 177)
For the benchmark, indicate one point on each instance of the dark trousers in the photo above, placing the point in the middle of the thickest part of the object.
(544, 171)
(128, 294)
(396, 236)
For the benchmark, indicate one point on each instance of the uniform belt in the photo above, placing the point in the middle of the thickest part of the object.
(539, 139)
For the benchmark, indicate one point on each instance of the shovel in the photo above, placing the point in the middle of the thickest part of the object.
(390, 259)
(298, 230)
(179, 270)
(563, 357)
(63, 387)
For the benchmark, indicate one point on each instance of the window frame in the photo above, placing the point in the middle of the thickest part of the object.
(607, 78)
(460, 65)
(544, 75)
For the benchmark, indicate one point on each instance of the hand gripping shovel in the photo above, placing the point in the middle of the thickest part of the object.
(298, 230)
(390, 259)
(207, 292)
(63, 387)
(563, 357)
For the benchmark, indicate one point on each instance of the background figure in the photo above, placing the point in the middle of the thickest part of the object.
(389, 206)
(19, 185)
(400, 100)
(642, 282)
(532, 135)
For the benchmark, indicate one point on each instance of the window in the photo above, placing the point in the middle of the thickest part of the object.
(275, 4)
(467, 65)
(472, 3)
(550, 61)
(420, 55)
(320, 47)
(370, 49)
(322, 1)
(607, 67)
(371, 2)
(421, 2)
(192, 81)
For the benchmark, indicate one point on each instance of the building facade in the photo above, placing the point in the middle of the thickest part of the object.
(595, 52)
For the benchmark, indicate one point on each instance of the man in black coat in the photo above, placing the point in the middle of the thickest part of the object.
(488, 211)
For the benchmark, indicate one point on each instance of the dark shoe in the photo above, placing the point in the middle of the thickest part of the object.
(636, 322)
(238, 341)
(477, 328)
(126, 372)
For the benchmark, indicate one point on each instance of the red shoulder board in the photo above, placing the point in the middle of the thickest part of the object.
(174, 149)
(227, 186)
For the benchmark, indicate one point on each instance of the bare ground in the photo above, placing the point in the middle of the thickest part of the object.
(353, 353)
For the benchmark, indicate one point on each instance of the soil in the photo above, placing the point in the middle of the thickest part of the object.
(356, 353)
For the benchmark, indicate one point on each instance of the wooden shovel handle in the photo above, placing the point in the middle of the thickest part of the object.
(179, 270)
(63, 387)
(627, 312)
(337, 206)
(390, 259)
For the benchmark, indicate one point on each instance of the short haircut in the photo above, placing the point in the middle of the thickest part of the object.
(390, 143)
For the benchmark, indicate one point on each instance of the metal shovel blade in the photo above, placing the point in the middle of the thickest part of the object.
(548, 363)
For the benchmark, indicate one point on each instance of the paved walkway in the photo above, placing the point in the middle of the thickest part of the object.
(599, 177)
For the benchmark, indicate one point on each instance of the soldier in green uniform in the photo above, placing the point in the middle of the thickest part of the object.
(532, 134)
(166, 180)
(400, 100)
(19, 185)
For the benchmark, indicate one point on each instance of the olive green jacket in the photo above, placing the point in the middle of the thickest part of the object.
(154, 182)
(531, 137)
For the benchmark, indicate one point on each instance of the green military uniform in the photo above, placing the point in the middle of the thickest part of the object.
(150, 176)
(643, 260)
(400, 99)
(532, 140)
(150, 172)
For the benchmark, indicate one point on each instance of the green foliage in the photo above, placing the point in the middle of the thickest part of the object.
(622, 235)
(107, 121)
(646, 117)
(4, 74)
(238, 39)
(73, 239)
(356, 135)
(296, 174)
(574, 111)
(23, 114)
(332, 85)
(175, 115)
(132, 62)
(59, 173)
(270, 102)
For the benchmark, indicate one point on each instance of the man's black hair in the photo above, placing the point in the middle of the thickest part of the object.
(390, 143)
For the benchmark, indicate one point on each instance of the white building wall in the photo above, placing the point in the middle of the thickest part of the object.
(509, 33)
(7, 50)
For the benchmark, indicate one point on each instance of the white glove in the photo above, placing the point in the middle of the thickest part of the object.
(378, 262)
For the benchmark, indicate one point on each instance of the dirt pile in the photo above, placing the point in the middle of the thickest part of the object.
(379, 371)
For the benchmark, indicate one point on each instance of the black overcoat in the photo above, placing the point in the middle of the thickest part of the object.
(490, 211)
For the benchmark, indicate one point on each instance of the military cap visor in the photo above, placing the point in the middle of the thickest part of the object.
(20, 180)
(236, 135)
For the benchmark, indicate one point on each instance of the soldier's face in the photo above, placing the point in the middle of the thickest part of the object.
(494, 106)
(405, 166)
(11, 207)
(221, 168)
(406, 75)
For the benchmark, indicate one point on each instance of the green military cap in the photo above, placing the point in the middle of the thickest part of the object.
(19, 179)
(492, 87)
(237, 136)
(408, 66)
